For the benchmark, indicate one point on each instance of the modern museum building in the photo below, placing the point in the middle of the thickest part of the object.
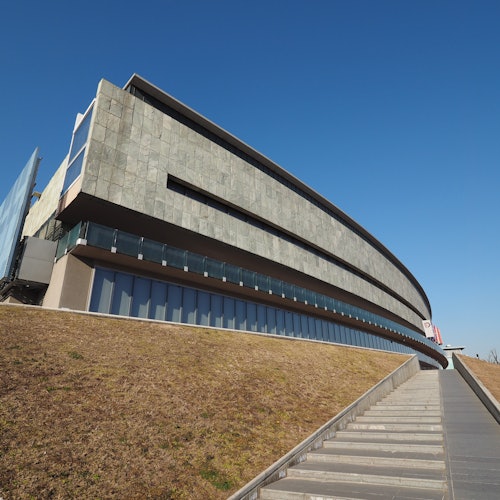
(158, 213)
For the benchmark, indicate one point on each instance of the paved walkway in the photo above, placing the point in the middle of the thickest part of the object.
(472, 441)
(431, 438)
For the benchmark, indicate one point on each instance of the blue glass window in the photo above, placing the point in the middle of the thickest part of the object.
(74, 170)
(241, 315)
(189, 306)
(289, 323)
(357, 338)
(304, 327)
(311, 327)
(331, 332)
(80, 136)
(271, 320)
(261, 318)
(216, 312)
(77, 152)
(122, 295)
(280, 322)
(252, 316)
(297, 331)
(102, 290)
(319, 329)
(228, 312)
(140, 300)
(174, 303)
(203, 308)
(158, 307)
(344, 331)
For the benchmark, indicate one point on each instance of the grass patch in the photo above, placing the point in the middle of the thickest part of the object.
(487, 373)
(215, 478)
(157, 410)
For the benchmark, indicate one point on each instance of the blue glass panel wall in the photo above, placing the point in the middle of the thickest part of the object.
(125, 294)
(13, 211)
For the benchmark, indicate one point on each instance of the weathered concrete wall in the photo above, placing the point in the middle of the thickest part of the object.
(47, 204)
(134, 147)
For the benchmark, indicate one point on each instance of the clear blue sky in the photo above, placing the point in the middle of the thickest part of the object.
(390, 109)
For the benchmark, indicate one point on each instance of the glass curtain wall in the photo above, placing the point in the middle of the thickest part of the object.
(128, 295)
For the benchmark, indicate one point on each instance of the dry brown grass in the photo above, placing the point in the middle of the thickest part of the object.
(96, 407)
(487, 373)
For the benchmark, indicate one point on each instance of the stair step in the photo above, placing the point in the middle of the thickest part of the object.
(425, 391)
(412, 406)
(390, 436)
(303, 489)
(409, 401)
(380, 411)
(408, 477)
(405, 427)
(394, 450)
(434, 449)
(376, 453)
(373, 460)
(412, 399)
(398, 419)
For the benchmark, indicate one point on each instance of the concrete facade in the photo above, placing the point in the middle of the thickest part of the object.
(133, 148)
(145, 165)
(45, 207)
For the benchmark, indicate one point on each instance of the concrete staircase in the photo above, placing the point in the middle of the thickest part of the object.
(395, 450)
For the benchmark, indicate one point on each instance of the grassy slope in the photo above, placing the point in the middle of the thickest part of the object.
(108, 408)
(487, 373)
